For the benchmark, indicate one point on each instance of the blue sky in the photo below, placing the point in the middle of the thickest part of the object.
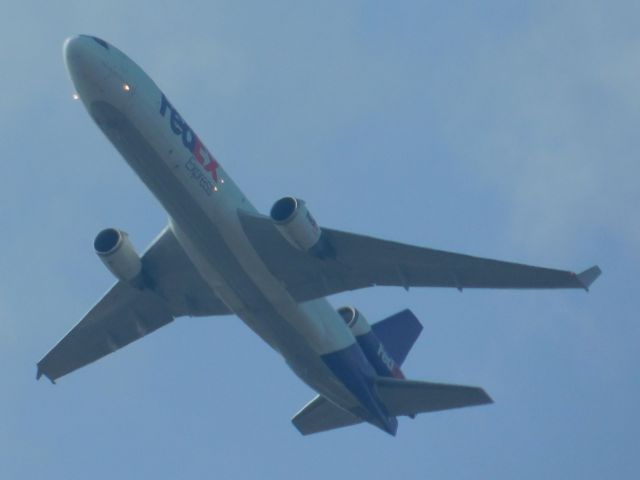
(502, 129)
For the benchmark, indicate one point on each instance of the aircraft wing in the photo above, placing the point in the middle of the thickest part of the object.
(362, 261)
(127, 313)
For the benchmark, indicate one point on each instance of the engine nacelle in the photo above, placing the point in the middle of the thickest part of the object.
(116, 251)
(356, 322)
(370, 344)
(297, 225)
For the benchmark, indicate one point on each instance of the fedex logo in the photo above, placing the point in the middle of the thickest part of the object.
(386, 359)
(189, 139)
(389, 362)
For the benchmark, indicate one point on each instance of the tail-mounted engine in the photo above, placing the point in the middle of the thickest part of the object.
(116, 251)
(297, 225)
(370, 344)
(356, 322)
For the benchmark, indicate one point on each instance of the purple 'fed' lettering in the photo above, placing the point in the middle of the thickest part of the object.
(189, 139)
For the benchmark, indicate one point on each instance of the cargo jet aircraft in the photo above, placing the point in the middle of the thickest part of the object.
(219, 256)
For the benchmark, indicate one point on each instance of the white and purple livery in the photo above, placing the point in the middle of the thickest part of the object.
(219, 256)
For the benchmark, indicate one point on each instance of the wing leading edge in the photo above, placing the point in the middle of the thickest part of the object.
(362, 261)
(126, 313)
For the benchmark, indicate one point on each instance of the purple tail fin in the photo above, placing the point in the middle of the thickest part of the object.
(398, 333)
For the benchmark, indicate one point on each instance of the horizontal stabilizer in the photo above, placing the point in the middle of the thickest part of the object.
(398, 333)
(408, 397)
(320, 415)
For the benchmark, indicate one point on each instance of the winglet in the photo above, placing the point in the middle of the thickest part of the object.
(589, 276)
(40, 373)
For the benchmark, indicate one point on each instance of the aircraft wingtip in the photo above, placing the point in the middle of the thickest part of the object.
(40, 373)
(589, 276)
(485, 398)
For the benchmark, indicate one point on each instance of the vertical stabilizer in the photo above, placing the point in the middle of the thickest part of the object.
(398, 333)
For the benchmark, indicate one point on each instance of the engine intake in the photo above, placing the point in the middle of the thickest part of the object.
(356, 322)
(116, 251)
(299, 228)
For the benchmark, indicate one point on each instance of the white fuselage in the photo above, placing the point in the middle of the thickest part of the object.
(203, 203)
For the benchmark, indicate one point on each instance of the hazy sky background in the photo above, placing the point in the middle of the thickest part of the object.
(503, 129)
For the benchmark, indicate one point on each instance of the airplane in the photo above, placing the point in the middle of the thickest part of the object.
(218, 256)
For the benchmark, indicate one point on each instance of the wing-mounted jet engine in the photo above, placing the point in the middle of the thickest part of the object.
(117, 252)
(299, 228)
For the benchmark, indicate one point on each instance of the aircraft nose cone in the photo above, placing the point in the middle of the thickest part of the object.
(83, 51)
(77, 53)
(84, 57)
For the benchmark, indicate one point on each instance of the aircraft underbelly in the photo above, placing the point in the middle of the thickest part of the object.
(210, 232)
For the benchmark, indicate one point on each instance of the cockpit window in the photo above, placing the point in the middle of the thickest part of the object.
(100, 42)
